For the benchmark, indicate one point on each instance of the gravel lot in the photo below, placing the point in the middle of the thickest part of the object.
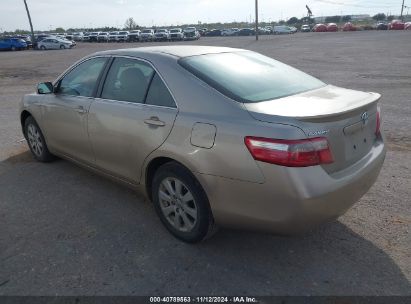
(66, 231)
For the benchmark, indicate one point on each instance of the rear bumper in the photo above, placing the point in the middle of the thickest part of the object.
(291, 200)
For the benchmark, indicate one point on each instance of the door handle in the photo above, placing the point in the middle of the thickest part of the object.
(154, 121)
(80, 109)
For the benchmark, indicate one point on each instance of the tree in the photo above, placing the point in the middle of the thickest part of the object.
(379, 17)
(292, 20)
(130, 24)
(390, 18)
(346, 18)
(59, 30)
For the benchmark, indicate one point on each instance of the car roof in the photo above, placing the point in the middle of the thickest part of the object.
(176, 51)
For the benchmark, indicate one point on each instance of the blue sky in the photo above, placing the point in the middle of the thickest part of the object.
(48, 14)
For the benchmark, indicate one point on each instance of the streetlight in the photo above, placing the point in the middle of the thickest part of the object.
(256, 19)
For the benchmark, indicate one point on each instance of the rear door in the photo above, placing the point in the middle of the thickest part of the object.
(133, 116)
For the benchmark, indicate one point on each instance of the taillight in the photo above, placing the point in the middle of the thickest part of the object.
(290, 153)
(378, 124)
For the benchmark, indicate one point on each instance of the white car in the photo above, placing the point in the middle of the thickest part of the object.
(176, 34)
(162, 35)
(134, 35)
(147, 35)
(284, 29)
(191, 33)
(78, 36)
(123, 36)
(54, 44)
(112, 36)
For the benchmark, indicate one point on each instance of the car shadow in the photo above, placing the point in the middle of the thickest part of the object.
(66, 231)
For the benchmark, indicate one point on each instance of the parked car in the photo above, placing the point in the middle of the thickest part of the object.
(102, 37)
(68, 36)
(396, 25)
(284, 29)
(349, 27)
(203, 31)
(191, 33)
(214, 33)
(245, 32)
(229, 32)
(123, 36)
(12, 44)
(269, 29)
(93, 36)
(112, 36)
(25, 38)
(320, 28)
(78, 36)
(305, 28)
(54, 44)
(162, 35)
(407, 26)
(276, 150)
(134, 35)
(176, 34)
(147, 35)
(332, 27)
(381, 26)
(86, 36)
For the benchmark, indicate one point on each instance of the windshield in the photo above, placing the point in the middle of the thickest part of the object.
(174, 31)
(123, 33)
(161, 31)
(147, 31)
(248, 76)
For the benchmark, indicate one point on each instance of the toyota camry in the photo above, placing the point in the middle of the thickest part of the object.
(212, 136)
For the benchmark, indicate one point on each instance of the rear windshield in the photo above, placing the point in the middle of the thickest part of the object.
(249, 77)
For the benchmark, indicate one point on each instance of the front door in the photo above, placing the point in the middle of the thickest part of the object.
(133, 117)
(66, 112)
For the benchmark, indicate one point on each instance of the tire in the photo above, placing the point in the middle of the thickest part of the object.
(189, 220)
(43, 48)
(13, 48)
(36, 141)
(62, 47)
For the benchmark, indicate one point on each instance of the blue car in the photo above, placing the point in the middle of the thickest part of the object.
(12, 44)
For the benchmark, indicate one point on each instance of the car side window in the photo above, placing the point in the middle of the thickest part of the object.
(127, 80)
(158, 94)
(82, 80)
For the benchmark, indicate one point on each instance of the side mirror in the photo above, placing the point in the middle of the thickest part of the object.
(45, 88)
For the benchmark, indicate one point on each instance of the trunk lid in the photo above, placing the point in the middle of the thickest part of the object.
(347, 118)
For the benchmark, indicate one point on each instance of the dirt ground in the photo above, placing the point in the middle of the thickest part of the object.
(66, 231)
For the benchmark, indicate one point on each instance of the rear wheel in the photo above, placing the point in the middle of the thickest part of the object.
(13, 48)
(182, 204)
(42, 47)
(36, 142)
(62, 47)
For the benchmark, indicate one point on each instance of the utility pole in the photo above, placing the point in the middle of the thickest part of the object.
(31, 25)
(256, 19)
(402, 9)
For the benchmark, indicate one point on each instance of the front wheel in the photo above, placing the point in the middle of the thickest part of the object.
(36, 142)
(42, 48)
(182, 204)
(62, 47)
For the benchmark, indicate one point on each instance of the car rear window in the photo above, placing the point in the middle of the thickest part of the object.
(248, 76)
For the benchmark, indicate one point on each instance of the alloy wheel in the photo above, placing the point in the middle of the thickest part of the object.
(35, 141)
(177, 204)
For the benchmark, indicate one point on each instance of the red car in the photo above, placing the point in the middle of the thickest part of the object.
(332, 27)
(349, 27)
(320, 28)
(396, 25)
